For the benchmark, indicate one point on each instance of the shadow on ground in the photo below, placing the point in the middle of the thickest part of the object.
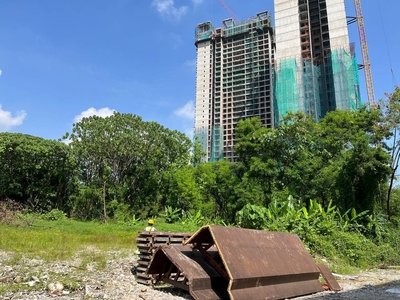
(365, 291)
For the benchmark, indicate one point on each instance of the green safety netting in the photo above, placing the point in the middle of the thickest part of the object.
(217, 146)
(201, 134)
(315, 90)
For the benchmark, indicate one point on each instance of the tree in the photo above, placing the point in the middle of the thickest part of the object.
(354, 155)
(278, 159)
(390, 113)
(257, 165)
(249, 134)
(338, 159)
(181, 189)
(36, 172)
(131, 153)
(217, 182)
(197, 152)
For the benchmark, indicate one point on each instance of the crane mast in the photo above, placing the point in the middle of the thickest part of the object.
(229, 11)
(365, 55)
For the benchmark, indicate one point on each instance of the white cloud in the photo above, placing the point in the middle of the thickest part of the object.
(167, 8)
(7, 121)
(1, 72)
(102, 112)
(197, 2)
(187, 111)
(189, 132)
(190, 64)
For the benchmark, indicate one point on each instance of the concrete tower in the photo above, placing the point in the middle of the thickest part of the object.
(316, 68)
(234, 81)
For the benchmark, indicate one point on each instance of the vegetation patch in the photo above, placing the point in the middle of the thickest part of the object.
(332, 183)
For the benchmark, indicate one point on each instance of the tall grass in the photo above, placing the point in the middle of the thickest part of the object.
(64, 238)
(61, 239)
(87, 244)
(49, 240)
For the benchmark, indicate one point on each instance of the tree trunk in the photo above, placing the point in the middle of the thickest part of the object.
(104, 201)
(389, 192)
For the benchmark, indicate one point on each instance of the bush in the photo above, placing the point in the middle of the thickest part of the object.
(355, 248)
(320, 245)
(389, 250)
(195, 219)
(53, 215)
(171, 215)
(252, 216)
(120, 212)
(88, 204)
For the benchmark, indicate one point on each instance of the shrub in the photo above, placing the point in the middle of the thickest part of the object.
(171, 215)
(196, 219)
(355, 248)
(252, 216)
(53, 215)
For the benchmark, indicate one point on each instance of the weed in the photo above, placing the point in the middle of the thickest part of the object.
(93, 259)
(54, 215)
(171, 215)
(57, 240)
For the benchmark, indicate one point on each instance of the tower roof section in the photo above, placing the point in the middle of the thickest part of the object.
(206, 30)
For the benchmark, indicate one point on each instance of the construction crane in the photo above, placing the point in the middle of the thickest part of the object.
(229, 11)
(365, 56)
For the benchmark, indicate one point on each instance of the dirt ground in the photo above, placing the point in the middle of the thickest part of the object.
(375, 284)
(36, 279)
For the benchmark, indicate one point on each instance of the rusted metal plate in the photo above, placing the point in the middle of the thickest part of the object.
(259, 264)
(275, 292)
(328, 276)
(147, 242)
(199, 278)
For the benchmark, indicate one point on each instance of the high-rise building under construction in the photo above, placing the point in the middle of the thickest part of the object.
(316, 68)
(234, 80)
(247, 69)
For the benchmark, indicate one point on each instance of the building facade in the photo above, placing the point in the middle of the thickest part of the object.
(316, 68)
(234, 81)
(247, 69)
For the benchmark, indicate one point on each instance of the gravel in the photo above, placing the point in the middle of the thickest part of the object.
(86, 278)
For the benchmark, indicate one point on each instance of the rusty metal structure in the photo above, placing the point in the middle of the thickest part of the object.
(328, 276)
(186, 268)
(235, 263)
(147, 242)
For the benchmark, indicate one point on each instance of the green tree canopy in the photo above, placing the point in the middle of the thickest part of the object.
(36, 172)
(135, 153)
(389, 107)
(339, 158)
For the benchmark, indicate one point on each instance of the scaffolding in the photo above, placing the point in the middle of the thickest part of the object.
(316, 90)
(287, 88)
(312, 100)
(230, 28)
(316, 69)
(217, 145)
(345, 80)
(201, 135)
(204, 31)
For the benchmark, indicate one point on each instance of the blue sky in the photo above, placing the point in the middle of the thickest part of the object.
(61, 60)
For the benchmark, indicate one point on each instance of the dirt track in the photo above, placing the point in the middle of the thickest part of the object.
(35, 279)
